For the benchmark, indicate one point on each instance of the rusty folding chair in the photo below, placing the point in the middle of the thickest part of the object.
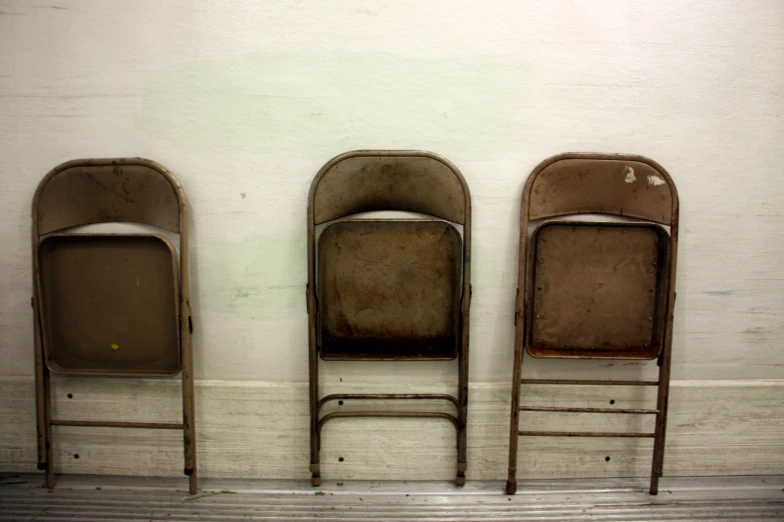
(388, 289)
(110, 304)
(596, 289)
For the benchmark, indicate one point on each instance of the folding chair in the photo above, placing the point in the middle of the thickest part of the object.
(388, 289)
(110, 304)
(596, 289)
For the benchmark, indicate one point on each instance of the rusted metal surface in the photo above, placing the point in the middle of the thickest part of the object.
(589, 382)
(109, 424)
(363, 183)
(85, 192)
(372, 274)
(596, 290)
(399, 414)
(632, 411)
(389, 289)
(111, 304)
(591, 184)
(602, 434)
(390, 396)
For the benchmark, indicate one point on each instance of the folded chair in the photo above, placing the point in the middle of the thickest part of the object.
(388, 289)
(596, 289)
(110, 304)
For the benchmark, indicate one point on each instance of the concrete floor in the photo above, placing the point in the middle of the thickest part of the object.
(91, 497)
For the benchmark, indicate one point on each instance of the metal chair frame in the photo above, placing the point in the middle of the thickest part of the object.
(595, 184)
(373, 180)
(88, 191)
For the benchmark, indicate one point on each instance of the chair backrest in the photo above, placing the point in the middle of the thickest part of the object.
(622, 185)
(364, 181)
(84, 192)
(591, 289)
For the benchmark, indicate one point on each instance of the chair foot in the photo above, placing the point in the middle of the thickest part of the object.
(460, 480)
(315, 480)
(511, 486)
(654, 485)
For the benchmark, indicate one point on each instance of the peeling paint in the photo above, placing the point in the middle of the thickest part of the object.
(655, 181)
(630, 177)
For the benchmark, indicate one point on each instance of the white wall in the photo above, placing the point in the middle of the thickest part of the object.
(244, 101)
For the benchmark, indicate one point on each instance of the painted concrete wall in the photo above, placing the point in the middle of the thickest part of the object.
(244, 101)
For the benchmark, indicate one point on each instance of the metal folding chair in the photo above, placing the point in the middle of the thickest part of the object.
(388, 289)
(596, 289)
(110, 304)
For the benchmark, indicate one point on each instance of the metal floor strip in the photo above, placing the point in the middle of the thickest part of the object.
(134, 498)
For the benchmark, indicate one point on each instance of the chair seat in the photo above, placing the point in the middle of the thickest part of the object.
(110, 305)
(597, 290)
(389, 290)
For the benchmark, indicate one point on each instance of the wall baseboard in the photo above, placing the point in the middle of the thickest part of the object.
(260, 430)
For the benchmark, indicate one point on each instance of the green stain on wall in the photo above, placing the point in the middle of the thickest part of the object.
(264, 277)
(256, 278)
(313, 104)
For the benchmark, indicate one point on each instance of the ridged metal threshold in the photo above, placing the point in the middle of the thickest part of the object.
(131, 498)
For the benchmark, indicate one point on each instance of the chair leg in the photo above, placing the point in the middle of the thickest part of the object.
(48, 430)
(189, 420)
(40, 399)
(658, 452)
(514, 422)
(315, 449)
(315, 432)
(315, 478)
(315, 445)
(462, 465)
(657, 466)
(462, 414)
(461, 478)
